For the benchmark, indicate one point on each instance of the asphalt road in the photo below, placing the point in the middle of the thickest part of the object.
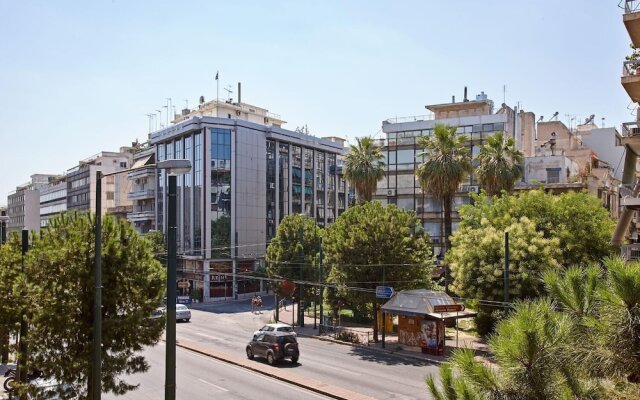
(200, 377)
(383, 376)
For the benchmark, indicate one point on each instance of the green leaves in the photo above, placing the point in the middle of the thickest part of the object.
(363, 167)
(500, 164)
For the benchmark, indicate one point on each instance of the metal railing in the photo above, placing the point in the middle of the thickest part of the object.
(631, 68)
(631, 251)
(347, 334)
(630, 129)
(629, 6)
(411, 118)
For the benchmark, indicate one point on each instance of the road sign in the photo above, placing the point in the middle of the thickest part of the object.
(184, 284)
(384, 292)
(448, 307)
(183, 299)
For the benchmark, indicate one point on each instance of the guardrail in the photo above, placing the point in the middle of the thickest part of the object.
(629, 6)
(347, 334)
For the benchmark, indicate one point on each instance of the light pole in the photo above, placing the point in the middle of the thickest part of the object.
(173, 168)
(3, 228)
(22, 359)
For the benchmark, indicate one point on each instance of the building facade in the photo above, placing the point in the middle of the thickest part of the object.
(142, 183)
(53, 200)
(475, 119)
(23, 205)
(245, 178)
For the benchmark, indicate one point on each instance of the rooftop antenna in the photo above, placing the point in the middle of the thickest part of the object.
(504, 93)
(168, 109)
(159, 118)
(554, 117)
(590, 119)
(229, 91)
(186, 103)
(603, 122)
(541, 118)
(150, 116)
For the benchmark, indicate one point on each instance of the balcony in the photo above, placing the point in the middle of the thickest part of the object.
(141, 215)
(631, 251)
(631, 79)
(631, 136)
(631, 19)
(141, 194)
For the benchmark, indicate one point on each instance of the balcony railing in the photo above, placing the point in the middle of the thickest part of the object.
(413, 118)
(630, 129)
(631, 68)
(631, 251)
(629, 6)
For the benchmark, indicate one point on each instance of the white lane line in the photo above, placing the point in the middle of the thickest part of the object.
(341, 370)
(215, 386)
(208, 336)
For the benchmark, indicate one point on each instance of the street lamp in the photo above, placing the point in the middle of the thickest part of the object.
(173, 168)
(3, 228)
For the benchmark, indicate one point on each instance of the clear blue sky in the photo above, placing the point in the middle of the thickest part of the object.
(78, 77)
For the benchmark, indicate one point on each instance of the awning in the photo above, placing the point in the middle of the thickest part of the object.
(424, 302)
(141, 162)
(454, 315)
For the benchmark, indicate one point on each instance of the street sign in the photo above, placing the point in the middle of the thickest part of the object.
(384, 292)
(184, 284)
(448, 308)
(183, 299)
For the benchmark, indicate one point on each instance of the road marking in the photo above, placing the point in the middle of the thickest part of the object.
(208, 336)
(215, 386)
(342, 370)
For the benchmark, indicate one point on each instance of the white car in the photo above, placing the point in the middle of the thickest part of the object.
(49, 390)
(182, 313)
(275, 328)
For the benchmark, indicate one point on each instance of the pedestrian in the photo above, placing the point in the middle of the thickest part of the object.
(259, 304)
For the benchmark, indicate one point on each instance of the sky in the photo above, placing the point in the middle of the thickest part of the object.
(79, 77)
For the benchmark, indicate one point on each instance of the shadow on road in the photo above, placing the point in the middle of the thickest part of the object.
(386, 359)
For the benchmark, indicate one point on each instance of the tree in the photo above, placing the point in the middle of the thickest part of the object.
(293, 252)
(500, 164)
(363, 167)
(532, 360)
(446, 163)
(477, 261)
(371, 243)
(60, 268)
(158, 244)
(10, 304)
(578, 220)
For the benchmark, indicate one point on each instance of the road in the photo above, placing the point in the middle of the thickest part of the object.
(379, 375)
(200, 377)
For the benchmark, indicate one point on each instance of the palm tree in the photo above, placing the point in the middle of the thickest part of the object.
(363, 167)
(500, 164)
(446, 162)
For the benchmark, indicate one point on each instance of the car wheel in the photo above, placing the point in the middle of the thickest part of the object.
(187, 320)
(8, 383)
(270, 358)
(249, 353)
(294, 359)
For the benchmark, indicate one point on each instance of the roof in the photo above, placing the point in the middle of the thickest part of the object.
(417, 302)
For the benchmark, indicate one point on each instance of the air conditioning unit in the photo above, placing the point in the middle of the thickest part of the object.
(272, 186)
(473, 189)
(391, 192)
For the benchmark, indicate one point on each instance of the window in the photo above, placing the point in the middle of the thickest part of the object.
(123, 164)
(553, 175)
(110, 196)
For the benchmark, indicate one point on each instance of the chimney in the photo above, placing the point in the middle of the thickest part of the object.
(465, 95)
(453, 99)
(239, 94)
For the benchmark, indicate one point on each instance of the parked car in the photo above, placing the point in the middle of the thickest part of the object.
(274, 346)
(49, 389)
(276, 328)
(182, 312)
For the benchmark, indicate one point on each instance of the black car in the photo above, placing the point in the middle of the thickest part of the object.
(274, 346)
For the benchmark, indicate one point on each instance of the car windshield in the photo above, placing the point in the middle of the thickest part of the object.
(180, 307)
(285, 329)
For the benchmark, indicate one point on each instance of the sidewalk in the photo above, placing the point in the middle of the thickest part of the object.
(365, 335)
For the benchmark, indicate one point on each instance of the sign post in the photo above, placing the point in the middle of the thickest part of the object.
(384, 292)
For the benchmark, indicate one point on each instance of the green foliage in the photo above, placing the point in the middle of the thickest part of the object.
(221, 237)
(60, 265)
(293, 253)
(10, 289)
(578, 220)
(363, 167)
(500, 164)
(477, 260)
(446, 163)
(158, 243)
(372, 240)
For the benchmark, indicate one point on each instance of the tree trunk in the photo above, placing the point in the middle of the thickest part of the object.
(375, 321)
(447, 222)
(4, 348)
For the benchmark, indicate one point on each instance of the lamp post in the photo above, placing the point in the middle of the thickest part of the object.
(4, 339)
(3, 228)
(22, 359)
(174, 168)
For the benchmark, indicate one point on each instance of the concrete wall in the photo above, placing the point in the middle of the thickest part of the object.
(603, 142)
(535, 168)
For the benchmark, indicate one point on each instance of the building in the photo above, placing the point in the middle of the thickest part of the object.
(23, 205)
(81, 181)
(246, 177)
(573, 159)
(476, 119)
(53, 199)
(142, 182)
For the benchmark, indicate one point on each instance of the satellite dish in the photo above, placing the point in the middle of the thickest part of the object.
(201, 99)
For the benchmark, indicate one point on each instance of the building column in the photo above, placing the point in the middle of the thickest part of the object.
(206, 281)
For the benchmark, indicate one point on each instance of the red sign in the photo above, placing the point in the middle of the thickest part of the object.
(448, 308)
(184, 284)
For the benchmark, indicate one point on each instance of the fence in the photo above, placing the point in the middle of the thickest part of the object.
(347, 334)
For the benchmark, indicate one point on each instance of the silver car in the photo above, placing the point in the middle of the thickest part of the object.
(182, 313)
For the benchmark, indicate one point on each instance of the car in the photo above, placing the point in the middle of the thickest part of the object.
(182, 313)
(274, 346)
(49, 389)
(279, 327)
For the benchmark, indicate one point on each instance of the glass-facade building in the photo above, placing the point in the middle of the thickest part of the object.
(245, 179)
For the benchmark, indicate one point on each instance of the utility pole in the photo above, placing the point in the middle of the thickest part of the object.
(384, 279)
(506, 267)
(22, 360)
(300, 302)
(96, 370)
(234, 266)
(320, 278)
(170, 362)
